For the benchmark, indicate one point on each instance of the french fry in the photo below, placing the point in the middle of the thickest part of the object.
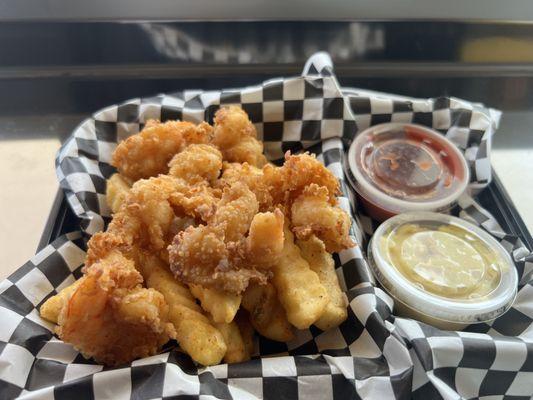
(221, 305)
(267, 315)
(117, 188)
(194, 332)
(242, 319)
(237, 351)
(52, 307)
(314, 252)
(299, 289)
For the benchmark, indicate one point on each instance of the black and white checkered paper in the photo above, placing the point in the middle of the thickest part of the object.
(374, 354)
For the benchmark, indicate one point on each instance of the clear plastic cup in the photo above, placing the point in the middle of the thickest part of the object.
(442, 270)
(398, 167)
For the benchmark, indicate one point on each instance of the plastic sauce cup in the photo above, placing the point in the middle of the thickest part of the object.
(442, 270)
(397, 167)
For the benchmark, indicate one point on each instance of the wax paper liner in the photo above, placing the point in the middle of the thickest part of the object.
(372, 355)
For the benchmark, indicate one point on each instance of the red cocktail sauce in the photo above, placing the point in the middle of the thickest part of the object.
(398, 165)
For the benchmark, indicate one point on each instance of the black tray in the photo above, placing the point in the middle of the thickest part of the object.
(494, 198)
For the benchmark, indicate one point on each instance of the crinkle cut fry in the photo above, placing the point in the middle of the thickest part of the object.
(300, 291)
(194, 332)
(266, 313)
(314, 252)
(117, 188)
(222, 306)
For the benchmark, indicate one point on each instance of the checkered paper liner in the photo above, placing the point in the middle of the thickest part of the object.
(373, 354)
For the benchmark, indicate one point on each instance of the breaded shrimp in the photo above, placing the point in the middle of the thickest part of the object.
(147, 153)
(145, 217)
(312, 213)
(235, 136)
(111, 318)
(235, 212)
(252, 177)
(197, 163)
(219, 254)
(299, 171)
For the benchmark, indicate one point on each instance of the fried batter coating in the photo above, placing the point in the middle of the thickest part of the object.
(252, 177)
(52, 307)
(198, 255)
(147, 214)
(111, 318)
(198, 162)
(299, 171)
(265, 239)
(235, 212)
(235, 136)
(312, 213)
(228, 237)
(117, 188)
(147, 153)
(218, 254)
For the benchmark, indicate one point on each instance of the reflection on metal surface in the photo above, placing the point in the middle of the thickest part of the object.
(345, 42)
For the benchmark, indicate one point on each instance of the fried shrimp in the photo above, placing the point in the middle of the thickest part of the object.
(299, 171)
(312, 213)
(108, 302)
(235, 136)
(147, 154)
(235, 212)
(252, 177)
(146, 215)
(197, 163)
(219, 254)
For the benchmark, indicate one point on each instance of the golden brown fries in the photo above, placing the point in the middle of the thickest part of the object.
(116, 191)
(237, 351)
(267, 315)
(222, 306)
(247, 330)
(52, 307)
(299, 289)
(194, 332)
(320, 261)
